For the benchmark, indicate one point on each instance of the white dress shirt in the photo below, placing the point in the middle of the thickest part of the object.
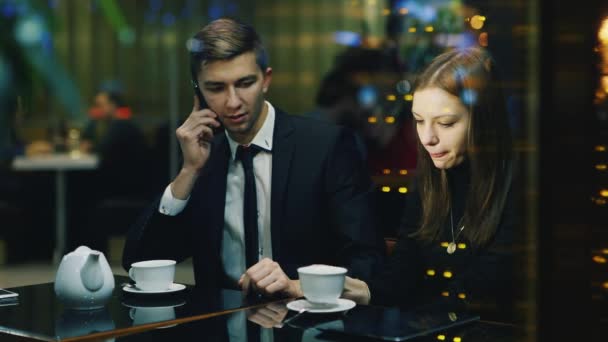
(233, 241)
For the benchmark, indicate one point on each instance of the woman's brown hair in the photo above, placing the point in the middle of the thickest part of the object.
(470, 75)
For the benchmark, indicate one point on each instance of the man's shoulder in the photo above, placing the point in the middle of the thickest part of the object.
(311, 128)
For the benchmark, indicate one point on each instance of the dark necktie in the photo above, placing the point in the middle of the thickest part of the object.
(250, 205)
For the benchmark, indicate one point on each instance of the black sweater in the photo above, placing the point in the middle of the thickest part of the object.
(421, 272)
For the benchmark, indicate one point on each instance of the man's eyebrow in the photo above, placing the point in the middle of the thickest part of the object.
(213, 83)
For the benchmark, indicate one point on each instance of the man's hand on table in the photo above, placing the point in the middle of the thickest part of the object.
(267, 277)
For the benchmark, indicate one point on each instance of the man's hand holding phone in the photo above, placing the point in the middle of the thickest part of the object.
(195, 136)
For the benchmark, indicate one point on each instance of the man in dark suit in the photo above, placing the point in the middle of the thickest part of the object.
(268, 194)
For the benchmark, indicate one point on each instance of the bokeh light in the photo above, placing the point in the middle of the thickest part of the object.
(30, 30)
(126, 36)
(156, 5)
(468, 97)
(599, 259)
(427, 13)
(194, 45)
(602, 34)
(168, 19)
(9, 10)
(347, 38)
(477, 22)
(367, 96)
(403, 87)
(424, 14)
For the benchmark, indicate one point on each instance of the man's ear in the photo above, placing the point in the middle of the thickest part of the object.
(267, 79)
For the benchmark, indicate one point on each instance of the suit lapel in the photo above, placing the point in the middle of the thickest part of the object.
(283, 149)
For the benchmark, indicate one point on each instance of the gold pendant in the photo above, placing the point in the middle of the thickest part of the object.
(451, 248)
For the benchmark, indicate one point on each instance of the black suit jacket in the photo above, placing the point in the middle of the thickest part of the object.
(320, 207)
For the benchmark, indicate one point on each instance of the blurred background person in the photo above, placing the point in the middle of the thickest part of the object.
(361, 92)
(336, 102)
(119, 142)
(106, 200)
(366, 90)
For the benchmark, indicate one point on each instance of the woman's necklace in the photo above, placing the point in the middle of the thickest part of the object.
(452, 245)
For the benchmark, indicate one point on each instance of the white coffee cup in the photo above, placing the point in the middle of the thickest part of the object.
(322, 284)
(153, 275)
(145, 315)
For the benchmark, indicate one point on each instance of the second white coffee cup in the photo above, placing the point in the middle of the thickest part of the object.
(153, 275)
(322, 284)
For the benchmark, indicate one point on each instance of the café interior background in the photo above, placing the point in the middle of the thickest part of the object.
(57, 54)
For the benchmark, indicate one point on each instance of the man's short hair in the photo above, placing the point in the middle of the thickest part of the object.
(224, 39)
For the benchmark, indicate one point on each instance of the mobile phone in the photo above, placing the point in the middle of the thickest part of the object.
(7, 294)
(201, 98)
(198, 93)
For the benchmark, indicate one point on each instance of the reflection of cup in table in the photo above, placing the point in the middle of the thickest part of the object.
(58, 162)
(312, 334)
(145, 310)
(144, 315)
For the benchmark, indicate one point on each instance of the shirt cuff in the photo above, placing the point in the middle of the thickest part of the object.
(170, 205)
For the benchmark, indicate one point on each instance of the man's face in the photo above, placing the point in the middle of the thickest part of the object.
(104, 105)
(234, 89)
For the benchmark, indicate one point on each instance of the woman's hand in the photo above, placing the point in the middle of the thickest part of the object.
(356, 290)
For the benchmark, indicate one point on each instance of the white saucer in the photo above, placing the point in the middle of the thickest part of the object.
(173, 288)
(302, 304)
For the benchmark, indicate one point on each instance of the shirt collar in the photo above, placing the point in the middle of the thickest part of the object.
(264, 136)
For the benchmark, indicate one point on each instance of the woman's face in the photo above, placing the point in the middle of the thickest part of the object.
(442, 122)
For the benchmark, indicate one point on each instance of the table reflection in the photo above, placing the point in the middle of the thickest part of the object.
(40, 315)
(143, 311)
(273, 323)
(198, 314)
(269, 316)
(74, 323)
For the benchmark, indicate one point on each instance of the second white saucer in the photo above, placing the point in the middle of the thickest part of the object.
(302, 304)
(173, 288)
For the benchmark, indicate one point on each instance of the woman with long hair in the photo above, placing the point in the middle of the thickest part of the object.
(456, 234)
